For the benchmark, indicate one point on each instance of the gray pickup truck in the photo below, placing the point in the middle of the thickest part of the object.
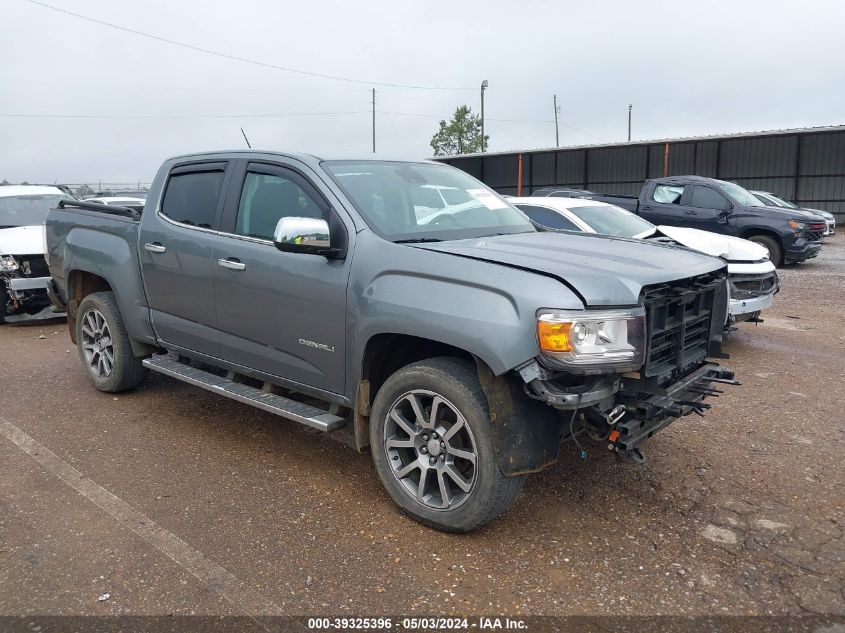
(462, 346)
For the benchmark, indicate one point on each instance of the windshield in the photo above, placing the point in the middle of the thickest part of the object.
(419, 202)
(27, 210)
(739, 195)
(781, 202)
(612, 220)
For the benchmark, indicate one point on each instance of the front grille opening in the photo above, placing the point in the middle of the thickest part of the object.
(745, 286)
(679, 316)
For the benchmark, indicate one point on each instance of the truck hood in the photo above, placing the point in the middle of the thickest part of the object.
(603, 270)
(22, 240)
(794, 214)
(732, 249)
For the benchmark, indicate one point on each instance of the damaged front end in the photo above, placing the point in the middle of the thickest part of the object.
(680, 324)
(750, 293)
(24, 289)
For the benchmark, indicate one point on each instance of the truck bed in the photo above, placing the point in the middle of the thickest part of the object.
(99, 244)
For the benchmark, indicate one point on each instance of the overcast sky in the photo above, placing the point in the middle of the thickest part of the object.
(688, 69)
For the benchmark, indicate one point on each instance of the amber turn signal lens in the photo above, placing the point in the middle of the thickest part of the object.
(554, 337)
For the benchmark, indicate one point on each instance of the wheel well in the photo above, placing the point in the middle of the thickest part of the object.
(386, 353)
(80, 284)
(748, 233)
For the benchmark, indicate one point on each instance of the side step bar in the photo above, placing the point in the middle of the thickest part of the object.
(297, 411)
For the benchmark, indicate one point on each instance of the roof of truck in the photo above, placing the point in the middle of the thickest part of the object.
(7, 191)
(307, 158)
(687, 178)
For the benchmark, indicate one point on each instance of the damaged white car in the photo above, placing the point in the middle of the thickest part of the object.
(24, 277)
(752, 277)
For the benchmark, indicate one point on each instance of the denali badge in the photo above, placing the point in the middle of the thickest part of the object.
(321, 346)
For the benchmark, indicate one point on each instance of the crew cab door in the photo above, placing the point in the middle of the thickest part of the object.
(279, 313)
(662, 205)
(707, 209)
(176, 242)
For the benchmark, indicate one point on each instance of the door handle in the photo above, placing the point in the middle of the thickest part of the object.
(692, 212)
(232, 263)
(646, 207)
(155, 247)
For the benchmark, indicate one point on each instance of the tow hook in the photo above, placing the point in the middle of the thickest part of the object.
(634, 453)
(637, 455)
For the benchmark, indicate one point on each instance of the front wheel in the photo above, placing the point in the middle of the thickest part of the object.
(432, 445)
(104, 346)
(771, 245)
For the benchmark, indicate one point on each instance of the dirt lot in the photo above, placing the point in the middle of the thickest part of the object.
(171, 500)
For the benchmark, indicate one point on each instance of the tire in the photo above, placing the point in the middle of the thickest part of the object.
(461, 429)
(772, 245)
(104, 347)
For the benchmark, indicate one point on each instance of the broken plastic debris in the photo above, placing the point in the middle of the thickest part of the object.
(103, 597)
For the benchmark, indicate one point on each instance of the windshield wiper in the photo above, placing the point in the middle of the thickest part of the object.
(417, 240)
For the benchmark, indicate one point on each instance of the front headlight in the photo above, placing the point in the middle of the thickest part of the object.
(8, 264)
(796, 225)
(592, 341)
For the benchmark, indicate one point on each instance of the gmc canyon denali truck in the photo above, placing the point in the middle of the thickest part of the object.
(462, 349)
(790, 235)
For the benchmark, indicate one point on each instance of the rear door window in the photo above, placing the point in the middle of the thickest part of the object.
(668, 194)
(191, 197)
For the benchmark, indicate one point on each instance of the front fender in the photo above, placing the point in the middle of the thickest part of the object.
(486, 309)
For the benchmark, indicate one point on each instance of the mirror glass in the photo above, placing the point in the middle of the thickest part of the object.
(303, 235)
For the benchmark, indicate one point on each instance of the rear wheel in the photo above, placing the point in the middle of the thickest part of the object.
(432, 445)
(104, 346)
(772, 245)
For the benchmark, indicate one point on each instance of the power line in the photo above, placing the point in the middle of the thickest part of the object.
(245, 60)
(177, 116)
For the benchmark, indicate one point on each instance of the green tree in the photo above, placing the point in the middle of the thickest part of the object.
(461, 135)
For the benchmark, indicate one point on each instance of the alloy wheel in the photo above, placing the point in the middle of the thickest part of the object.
(430, 449)
(97, 344)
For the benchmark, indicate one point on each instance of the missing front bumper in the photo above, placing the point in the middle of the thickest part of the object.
(649, 413)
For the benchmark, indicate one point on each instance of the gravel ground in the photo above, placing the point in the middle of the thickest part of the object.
(169, 500)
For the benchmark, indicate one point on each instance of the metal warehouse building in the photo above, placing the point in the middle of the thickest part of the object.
(805, 165)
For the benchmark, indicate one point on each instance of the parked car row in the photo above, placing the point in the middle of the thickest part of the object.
(410, 309)
(789, 233)
(752, 279)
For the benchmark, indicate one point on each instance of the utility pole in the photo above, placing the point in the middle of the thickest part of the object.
(374, 120)
(557, 112)
(484, 85)
(629, 122)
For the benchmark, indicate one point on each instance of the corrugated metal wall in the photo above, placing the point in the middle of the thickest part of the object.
(807, 166)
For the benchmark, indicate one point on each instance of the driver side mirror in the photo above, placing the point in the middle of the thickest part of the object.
(309, 236)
